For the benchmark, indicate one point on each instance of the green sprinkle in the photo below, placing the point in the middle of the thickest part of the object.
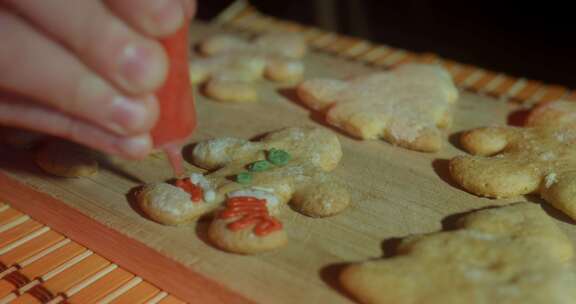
(244, 178)
(259, 166)
(278, 157)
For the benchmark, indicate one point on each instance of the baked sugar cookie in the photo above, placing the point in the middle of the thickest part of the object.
(512, 254)
(233, 65)
(66, 159)
(407, 107)
(172, 205)
(512, 161)
(249, 185)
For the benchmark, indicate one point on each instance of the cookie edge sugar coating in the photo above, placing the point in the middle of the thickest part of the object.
(151, 199)
(518, 225)
(48, 154)
(320, 94)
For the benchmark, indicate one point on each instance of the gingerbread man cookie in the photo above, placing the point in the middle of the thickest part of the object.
(66, 159)
(512, 254)
(407, 106)
(232, 65)
(511, 161)
(249, 184)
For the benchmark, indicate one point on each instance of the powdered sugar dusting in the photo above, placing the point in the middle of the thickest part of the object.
(404, 102)
(550, 180)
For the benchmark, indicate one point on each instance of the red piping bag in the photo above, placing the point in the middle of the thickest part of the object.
(177, 118)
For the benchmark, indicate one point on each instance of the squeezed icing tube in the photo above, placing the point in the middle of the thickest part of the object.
(177, 118)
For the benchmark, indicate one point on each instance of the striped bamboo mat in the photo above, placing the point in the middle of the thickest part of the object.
(242, 16)
(40, 265)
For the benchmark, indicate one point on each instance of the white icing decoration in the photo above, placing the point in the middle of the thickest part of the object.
(207, 190)
(266, 194)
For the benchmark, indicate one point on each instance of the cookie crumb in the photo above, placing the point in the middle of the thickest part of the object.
(550, 180)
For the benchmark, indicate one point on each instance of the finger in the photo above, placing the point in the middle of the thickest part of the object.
(28, 115)
(131, 61)
(36, 67)
(190, 7)
(156, 18)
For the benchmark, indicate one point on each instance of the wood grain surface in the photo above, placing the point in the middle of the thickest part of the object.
(395, 192)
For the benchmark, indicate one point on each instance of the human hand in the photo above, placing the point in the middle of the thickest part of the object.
(86, 70)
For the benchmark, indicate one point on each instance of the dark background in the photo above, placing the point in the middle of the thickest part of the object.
(533, 40)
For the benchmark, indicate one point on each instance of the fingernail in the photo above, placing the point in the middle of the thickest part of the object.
(136, 147)
(139, 67)
(168, 17)
(128, 115)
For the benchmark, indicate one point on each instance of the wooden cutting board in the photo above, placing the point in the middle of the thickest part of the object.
(395, 192)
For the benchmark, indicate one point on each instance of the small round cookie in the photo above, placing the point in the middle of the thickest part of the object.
(170, 205)
(65, 159)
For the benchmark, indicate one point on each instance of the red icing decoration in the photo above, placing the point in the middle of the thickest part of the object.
(252, 211)
(196, 193)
